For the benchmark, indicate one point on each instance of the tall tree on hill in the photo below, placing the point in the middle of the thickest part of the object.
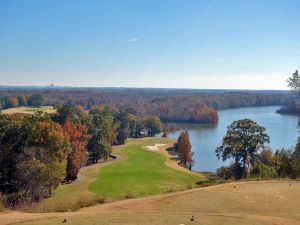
(242, 141)
(184, 150)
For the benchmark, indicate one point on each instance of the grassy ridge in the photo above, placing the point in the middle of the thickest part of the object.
(143, 173)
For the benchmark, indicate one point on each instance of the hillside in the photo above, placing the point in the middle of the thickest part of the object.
(247, 203)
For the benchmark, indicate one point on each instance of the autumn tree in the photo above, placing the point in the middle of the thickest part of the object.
(266, 156)
(153, 125)
(33, 157)
(42, 164)
(184, 150)
(78, 156)
(75, 123)
(96, 109)
(242, 141)
(12, 103)
(264, 165)
(203, 114)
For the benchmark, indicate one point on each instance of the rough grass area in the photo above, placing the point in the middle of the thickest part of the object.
(29, 110)
(143, 173)
(247, 203)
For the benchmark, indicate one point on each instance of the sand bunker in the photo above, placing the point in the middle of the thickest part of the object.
(155, 147)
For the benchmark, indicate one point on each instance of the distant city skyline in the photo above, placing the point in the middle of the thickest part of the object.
(206, 44)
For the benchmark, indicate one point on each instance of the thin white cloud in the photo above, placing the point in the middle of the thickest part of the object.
(132, 40)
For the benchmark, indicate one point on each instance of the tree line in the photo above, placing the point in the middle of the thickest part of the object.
(172, 106)
(39, 151)
(35, 100)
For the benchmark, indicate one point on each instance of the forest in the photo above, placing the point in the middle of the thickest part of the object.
(39, 151)
(171, 105)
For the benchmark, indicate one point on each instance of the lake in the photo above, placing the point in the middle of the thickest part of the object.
(282, 130)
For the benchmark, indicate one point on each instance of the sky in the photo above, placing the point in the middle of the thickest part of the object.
(211, 44)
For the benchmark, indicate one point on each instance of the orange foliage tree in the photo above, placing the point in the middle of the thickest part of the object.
(78, 156)
(184, 150)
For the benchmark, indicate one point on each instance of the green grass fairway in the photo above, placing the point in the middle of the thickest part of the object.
(143, 173)
(89, 188)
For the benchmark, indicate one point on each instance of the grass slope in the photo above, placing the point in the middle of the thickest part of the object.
(247, 203)
(143, 173)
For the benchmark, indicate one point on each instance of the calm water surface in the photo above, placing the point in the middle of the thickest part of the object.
(282, 130)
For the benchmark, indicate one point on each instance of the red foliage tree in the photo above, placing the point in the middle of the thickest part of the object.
(184, 150)
(78, 156)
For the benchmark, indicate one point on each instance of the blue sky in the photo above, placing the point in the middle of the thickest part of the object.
(241, 44)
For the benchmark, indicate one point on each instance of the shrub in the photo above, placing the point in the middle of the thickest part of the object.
(129, 195)
(232, 171)
(267, 157)
(1, 204)
(263, 171)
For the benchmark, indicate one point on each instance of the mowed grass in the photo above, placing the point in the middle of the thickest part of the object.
(142, 173)
(89, 189)
(29, 110)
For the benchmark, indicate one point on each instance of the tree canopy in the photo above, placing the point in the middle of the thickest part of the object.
(184, 148)
(153, 125)
(294, 82)
(242, 141)
(36, 100)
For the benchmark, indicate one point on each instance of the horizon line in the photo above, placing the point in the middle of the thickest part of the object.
(132, 87)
